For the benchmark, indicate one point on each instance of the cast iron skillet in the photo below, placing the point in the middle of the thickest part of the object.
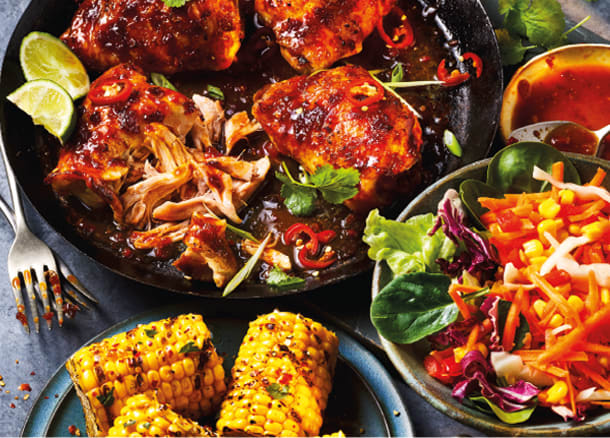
(474, 115)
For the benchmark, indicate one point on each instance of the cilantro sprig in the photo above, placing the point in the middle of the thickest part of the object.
(335, 186)
(539, 22)
(280, 280)
(277, 391)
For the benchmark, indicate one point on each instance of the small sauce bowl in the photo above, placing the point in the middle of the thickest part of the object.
(568, 83)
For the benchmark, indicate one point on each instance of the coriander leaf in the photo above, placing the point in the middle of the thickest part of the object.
(175, 3)
(247, 269)
(215, 92)
(279, 279)
(151, 332)
(511, 49)
(278, 391)
(298, 199)
(397, 73)
(505, 6)
(161, 81)
(146, 425)
(544, 22)
(189, 347)
(106, 398)
(130, 422)
(336, 185)
(514, 24)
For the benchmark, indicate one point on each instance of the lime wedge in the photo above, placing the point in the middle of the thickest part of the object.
(44, 56)
(48, 104)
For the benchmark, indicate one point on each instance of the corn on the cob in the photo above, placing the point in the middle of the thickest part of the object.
(143, 415)
(338, 434)
(281, 378)
(173, 358)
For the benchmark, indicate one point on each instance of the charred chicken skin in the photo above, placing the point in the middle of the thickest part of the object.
(345, 118)
(315, 34)
(202, 35)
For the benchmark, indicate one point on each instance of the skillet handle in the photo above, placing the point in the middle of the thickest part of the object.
(19, 220)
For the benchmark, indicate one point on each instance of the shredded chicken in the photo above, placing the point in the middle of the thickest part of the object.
(270, 255)
(237, 127)
(160, 236)
(213, 117)
(206, 241)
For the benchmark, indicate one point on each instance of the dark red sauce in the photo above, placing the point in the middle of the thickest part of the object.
(578, 94)
(604, 148)
(572, 138)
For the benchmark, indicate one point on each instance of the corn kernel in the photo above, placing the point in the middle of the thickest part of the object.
(549, 209)
(576, 303)
(556, 321)
(546, 226)
(556, 393)
(459, 353)
(539, 306)
(537, 262)
(566, 196)
(594, 230)
(533, 248)
(605, 295)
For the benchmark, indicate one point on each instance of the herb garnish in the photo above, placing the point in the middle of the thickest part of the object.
(161, 81)
(146, 425)
(106, 399)
(541, 22)
(150, 332)
(278, 391)
(279, 279)
(130, 422)
(189, 347)
(335, 185)
(175, 3)
(452, 143)
(247, 269)
(215, 92)
(397, 73)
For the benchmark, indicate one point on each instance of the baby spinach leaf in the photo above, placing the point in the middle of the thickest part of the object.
(413, 306)
(510, 170)
(507, 417)
(406, 246)
(470, 192)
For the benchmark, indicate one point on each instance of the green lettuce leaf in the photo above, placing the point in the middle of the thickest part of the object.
(406, 246)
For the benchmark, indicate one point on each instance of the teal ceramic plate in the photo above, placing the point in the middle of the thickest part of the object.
(408, 359)
(363, 401)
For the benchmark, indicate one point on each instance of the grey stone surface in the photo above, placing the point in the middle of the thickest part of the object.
(121, 298)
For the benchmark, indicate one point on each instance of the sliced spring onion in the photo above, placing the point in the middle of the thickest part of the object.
(452, 143)
(397, 73)
(241, 233)
(215, 92)
(247, 269)
(161, 81)
(412, 84)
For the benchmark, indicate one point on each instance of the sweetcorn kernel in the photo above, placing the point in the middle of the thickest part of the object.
(557, 392)
(594, 230)
(533, 248)
(549, 209)
(574, 229)
(537, 262)
(576, 303)
(556, 321)
(539, 306)
(547, 226)
(605, 295)
(566, 196)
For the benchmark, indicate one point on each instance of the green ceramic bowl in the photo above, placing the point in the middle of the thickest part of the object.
(408, 359)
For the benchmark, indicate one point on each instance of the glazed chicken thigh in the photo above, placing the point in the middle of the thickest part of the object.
(325, 118)
(202, 35)
(315, 34)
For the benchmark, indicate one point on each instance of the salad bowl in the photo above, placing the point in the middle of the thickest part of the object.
(408, 359)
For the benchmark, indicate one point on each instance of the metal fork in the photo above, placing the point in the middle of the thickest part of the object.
(29, 256)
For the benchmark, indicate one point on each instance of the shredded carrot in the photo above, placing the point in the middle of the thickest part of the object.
(461, 305)
(592, 210)
(598, 178)
(576, 336)
(549, 311)
(571, 392)
(596, 377)
(596, 348)
(551, 293)
(601, 403)
(551, 369)
(539, 196)
(512, 321)
(557, 173)
(465, 289)
(592, 300)
(532, 355)
(494, 204)
(473, 337)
